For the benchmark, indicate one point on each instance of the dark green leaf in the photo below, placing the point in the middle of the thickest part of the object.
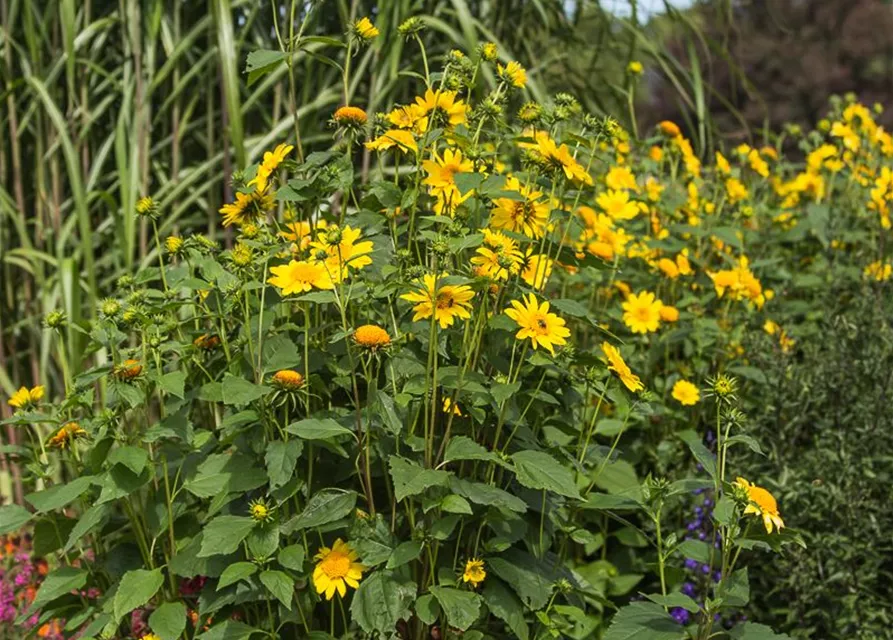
(461, 608)
(538, 470)
(224, 534)
(136, 589)
(235, 572)
(326, 505)
(644, 621)
(411, 479)
(280, 585)
(169, 620)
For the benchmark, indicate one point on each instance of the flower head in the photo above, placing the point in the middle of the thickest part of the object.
(669, 129)
(336, 569)
(686, 393)
(526, 213)
(641, 312)
(363, 30)
(619, 366)
(271, 161)
(372, 337)
(635, 68)
(402, 139)
(287, 380)
(513, 74)
(761, 503)
(299, 277)
(25, 398)
(348, 116)
(66, 435)
(474, 572)
(260, 511)
(618, 205)
(445, 302)
(248, 207)
(343, 251)
(442, 108)
(128, 370)
(543, 328)
(173, 244)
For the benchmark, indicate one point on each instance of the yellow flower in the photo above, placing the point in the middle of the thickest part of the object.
(451, 407)
(25, 398)
(474, 572)
(173, 244)
(400, 138)
(271, 161)
(150, 636)
(446, 302)
(248, 207)
(301, 233)
(618, 205)
(528, 214)
(656, 153)
(621, 178)
(128, 370)
(260, 511)
(371, 337)
(336, 569)
(513, 73)
(348, 116)
(489, 51)
(299, 277)
(641, 312)
(619, 366)
(722, 164)
(771, 327)
(761, 503)
(206, 342)
(365, 30)
(499, 258)
(635, 68)
(879, 271)
(686, 392)
(669, 129)
(668, 267)
(442, 107)
(560, 159)
(342, 250)
(287, 380)
(756, 162)
(739, 282)
(543, 328)
(537, 269)
(66, 435)
(669, 313)
(442, 171)
(736, 190)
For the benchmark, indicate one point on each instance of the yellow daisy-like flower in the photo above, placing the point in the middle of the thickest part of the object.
(365, 30)
(641, 312)
(248, 207)
(635, 68)
(25, 398)
(348, 116)
(528, 215)
(513, 73)
(287, 380)
(669, 129)
(560, 158)
(537, 269)
(668, 267)
(499, 258)
(442, 170)
(260, 511)
(619, 178)
(66, 435)
(343, 249)
(543, 328)
(372, 337)
(299, 276)
(474, 572)
(686, 393)
(451, 407)
(669, 313)
(618, 205)
(173, 244)
(150, 636)
(617, 364)
(445, 302)
(761, 504)
(272, 160)
(336, 569)
(128, 370)
(443, 107)
(402, 139)
(301, 233)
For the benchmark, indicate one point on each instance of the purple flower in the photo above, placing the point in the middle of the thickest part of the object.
(680, 615)
(688, 588)
(705, 569)
(691, 564)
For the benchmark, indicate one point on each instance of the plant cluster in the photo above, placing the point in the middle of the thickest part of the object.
(468, 388)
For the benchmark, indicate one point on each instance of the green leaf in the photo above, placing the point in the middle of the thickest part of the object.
(410, 479)
(754, 631)
(13, 517)
(675, 599)
(60, 495)
(464, 448)
(263, 541)
(280, 585)
(226, 473)
(644, 621)
(174, 383)
(326, 505)
(169, 620)
(486, 494)
(134, 458)
(465, 182)
(506, 606)
(502, 392)
(736, 592)
(695, 549)
(50, 533)
(610, 502)
(59, 583)
(239, 391)
(752, 444)
(292, 557)
(456, 504)
(281, 459)
(224, 534)
(317, 429)
(462, 608)
(229, 630)
(699, 451)
(404, 553)
(381, 602)
(235, 572)
(427, 609)
(136, 589)
(724, 512)
(538, 470)
(261, 62)
(524, 575)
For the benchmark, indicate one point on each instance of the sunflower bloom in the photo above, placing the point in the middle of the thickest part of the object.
(474, 572)
(498, 258)
(402, 139)
(537, 269)
(445, 302)
(299, 277)
(686, 393)
(25, 398)
(364, 30)
(618, 365)
(641, 312)
(618, 205)
(336, 569)
(348, 116)
(66, 435)
(543, 328)
(442, 108)
(287, 380)
(560, 159)
(761, 503)
(248, 207)
(513, 74)
(372, 337)
(527, 214)
(342, 251)
(269, 164)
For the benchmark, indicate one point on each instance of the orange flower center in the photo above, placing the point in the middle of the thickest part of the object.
(335, 565)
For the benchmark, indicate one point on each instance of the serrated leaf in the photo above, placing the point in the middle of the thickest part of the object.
(280, 585)
(318, 429)
(699, 451)
(235, 572)
(13, 517)
(58, 583)
(326, 505)
(281, 459)
(461, 608)
(136, 589)
(675, 599)
(169, 620)
(404, 553)
(224, 534)
(538, 470)
(506, 606)
(381, 602)
(292, 557)
(410, 479)
(488, 495)
(60, 495)
(644, 621)
(239, 391)
(464, 448)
